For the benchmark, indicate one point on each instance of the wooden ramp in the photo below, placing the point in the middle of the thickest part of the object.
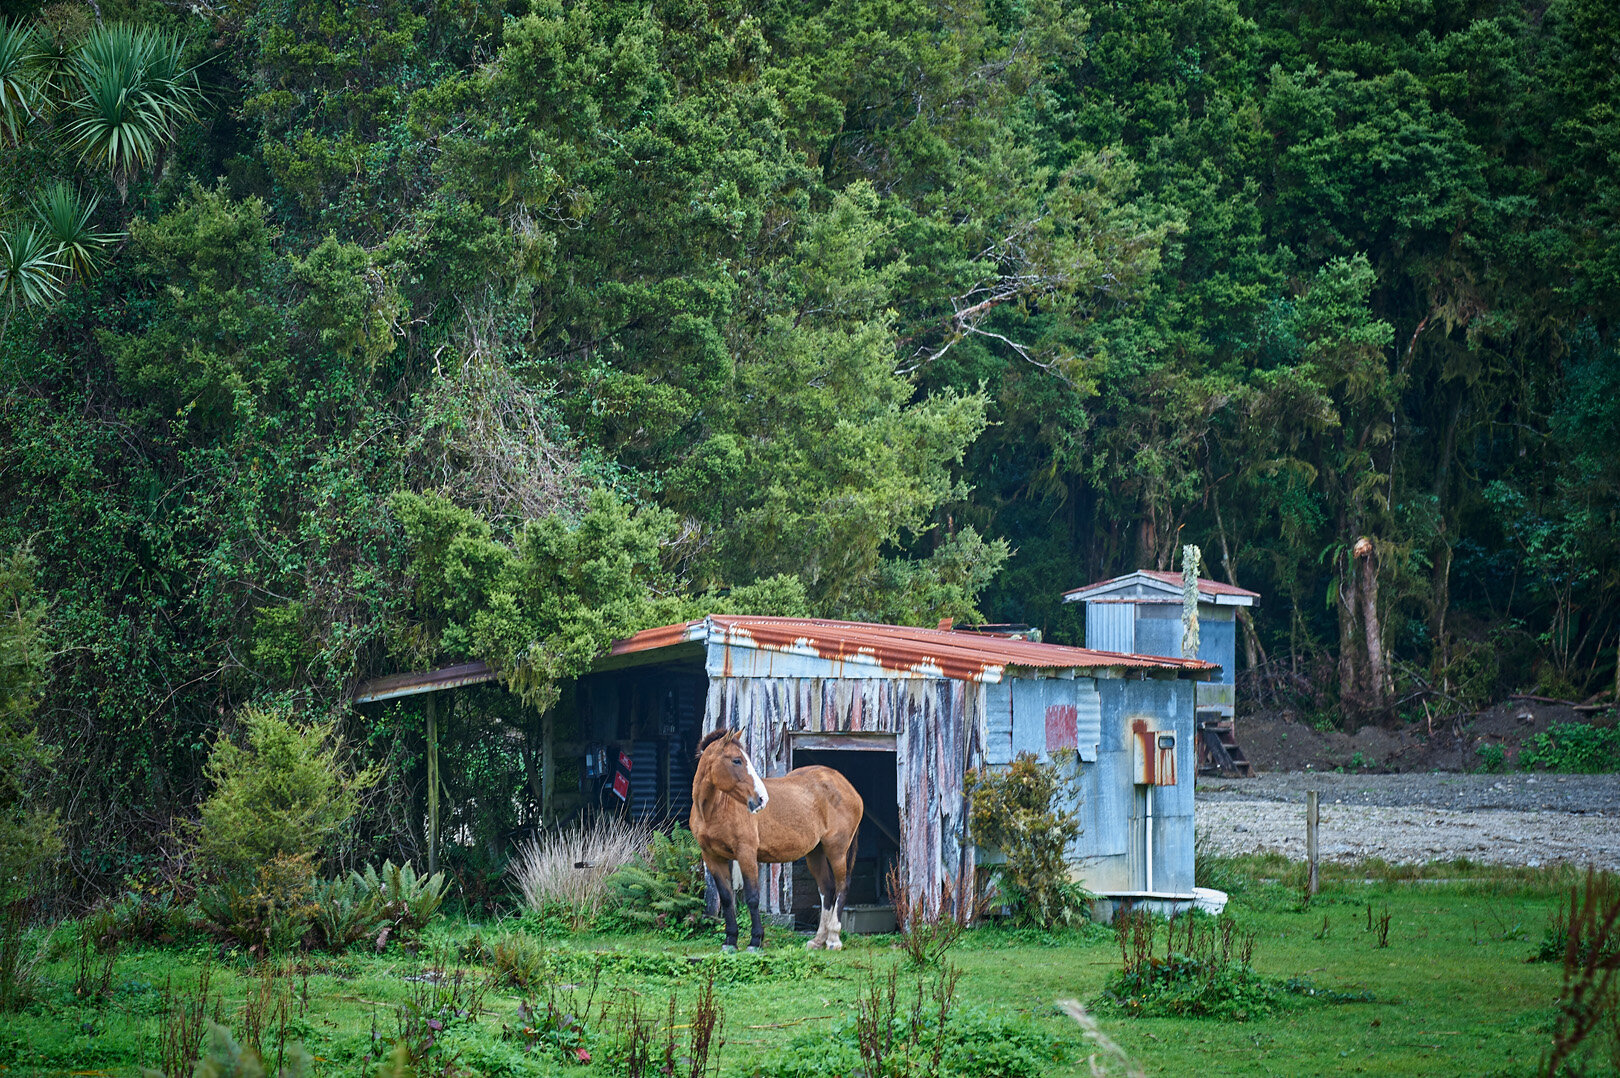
(1219, 752)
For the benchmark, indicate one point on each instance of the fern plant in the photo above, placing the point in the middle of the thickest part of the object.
(268, 916)
(344, 912)
(665, 889)
(404, 899)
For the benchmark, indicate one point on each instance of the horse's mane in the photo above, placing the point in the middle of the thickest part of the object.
(710, 738)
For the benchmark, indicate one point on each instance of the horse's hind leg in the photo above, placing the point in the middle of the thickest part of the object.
(720, 873)
(822, 872)
(842, 863)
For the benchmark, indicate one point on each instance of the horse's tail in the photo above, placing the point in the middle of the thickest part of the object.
(849, 867)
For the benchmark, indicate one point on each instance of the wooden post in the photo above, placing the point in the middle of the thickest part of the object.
(1312, 816)
(433, 784)
(548, 762)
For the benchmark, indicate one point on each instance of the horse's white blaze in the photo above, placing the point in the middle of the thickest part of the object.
(759, 784)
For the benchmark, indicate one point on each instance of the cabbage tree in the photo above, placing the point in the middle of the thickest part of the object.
(133, 93)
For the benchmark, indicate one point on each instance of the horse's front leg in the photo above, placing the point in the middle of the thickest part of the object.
(720, 873)
(750, 874)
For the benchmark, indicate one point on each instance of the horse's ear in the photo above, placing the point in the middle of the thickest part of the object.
(708, 739)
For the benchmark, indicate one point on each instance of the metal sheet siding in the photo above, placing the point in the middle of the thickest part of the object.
(998, 714)
(1111, 627)
(1213, 696)
(1159, 636)
(940, 733)
(1217, 643)
(1029, 701)
(1110, 850)
(1090, 724)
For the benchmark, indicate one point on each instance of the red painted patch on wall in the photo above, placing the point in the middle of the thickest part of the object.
(1062, 727)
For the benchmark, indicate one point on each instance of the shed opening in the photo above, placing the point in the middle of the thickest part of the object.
(873, 769)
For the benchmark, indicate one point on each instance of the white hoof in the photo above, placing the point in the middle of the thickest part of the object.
(835, 945)
(756, 950)
(727, 948)
(813, 945)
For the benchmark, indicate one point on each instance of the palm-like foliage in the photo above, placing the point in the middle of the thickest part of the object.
(65, 217)
(55, 42)
(134, 92)
(30, 270)
(19, 90)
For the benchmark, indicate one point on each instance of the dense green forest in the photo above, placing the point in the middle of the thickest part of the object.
(343, 339)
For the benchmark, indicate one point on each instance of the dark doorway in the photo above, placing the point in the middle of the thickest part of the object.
(873, 773)
(651, 716)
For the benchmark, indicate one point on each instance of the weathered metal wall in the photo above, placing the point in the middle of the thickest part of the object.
(1159, 632)
(1109, 853)
(1159, 629)
(1113, 858)
(1217, 643)
(1041, 716)
(939, 728)
(1111, 627)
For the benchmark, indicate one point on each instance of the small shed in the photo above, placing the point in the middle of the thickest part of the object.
(905, 714)
(1141, 612)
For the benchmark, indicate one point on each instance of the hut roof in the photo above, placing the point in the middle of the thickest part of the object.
(1209, 591)
(967, 656)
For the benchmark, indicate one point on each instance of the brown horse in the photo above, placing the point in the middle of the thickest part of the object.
(811, 812)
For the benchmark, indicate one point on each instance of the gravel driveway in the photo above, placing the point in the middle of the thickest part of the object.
(1506, 819)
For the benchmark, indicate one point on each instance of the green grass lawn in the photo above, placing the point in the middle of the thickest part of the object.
(1453, 992)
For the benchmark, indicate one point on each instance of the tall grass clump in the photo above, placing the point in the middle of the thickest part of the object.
(1587, 1029)
(1203, 970)
(567, 870)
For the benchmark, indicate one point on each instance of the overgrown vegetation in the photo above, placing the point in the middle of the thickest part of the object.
(286, 794)
(927, 932)
(1202, 970)
(1020, 812)
(790, 1012)
(1587, 1028)
(29, 839)
(344, 353)
(665, 888)
(1575, 747)
(917, 1028)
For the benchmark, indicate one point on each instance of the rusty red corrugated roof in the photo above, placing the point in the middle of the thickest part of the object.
(968, 656)
(447, 677)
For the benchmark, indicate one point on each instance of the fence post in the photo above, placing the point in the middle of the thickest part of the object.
(1311, 819)
(433, 784)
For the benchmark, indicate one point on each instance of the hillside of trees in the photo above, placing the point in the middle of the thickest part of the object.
(346, 339)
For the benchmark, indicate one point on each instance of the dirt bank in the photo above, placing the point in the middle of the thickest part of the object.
(1278, 741)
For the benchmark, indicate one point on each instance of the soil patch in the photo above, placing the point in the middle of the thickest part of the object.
(1278, 741)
